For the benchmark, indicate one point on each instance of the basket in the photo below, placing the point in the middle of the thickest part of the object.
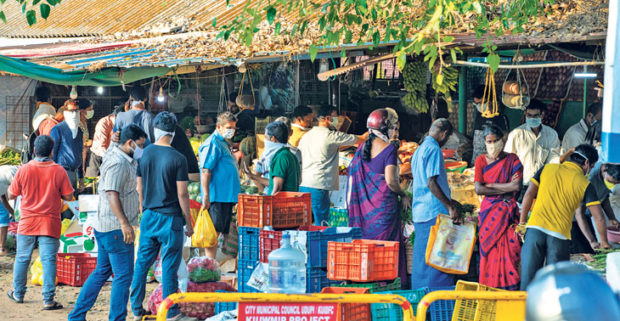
(393, 312)
(245, 268)
(376, 286)
(74, 268)
(249, 243)
(351, 311)
(476, 310)
(362, 261)
(441, 310)
(280, 211)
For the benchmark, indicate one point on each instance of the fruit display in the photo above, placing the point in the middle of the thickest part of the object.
(196, 142)
(405, 151)
(194, 192)
(203, 269)
(450, 79)
(414, 75)
(203, 310)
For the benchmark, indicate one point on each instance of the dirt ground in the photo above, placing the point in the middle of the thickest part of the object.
(32, 308)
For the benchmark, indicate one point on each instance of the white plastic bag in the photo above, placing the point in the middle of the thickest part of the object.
(182, 273)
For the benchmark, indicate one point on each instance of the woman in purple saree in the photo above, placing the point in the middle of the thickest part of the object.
(374, 186)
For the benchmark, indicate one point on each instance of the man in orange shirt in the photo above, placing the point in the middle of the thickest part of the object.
(101, 141)
(41, 184)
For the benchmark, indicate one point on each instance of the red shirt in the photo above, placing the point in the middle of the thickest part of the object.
(41, 186)
(45, 128)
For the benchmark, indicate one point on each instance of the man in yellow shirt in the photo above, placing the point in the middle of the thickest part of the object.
(558, 189)
(303, 119)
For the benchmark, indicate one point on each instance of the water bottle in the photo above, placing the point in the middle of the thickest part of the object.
(287, 269)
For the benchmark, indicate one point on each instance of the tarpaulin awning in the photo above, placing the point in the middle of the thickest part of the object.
(104, 77)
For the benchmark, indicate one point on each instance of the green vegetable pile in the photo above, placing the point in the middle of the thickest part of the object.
(600, 260)
(194, 192)
(10, 157)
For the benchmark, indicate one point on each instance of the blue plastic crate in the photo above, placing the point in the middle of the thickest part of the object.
(316, 280)
(224, 306)
(393, 312)
(245, 268)
(249, 244)
(317, 243)
(442, 310)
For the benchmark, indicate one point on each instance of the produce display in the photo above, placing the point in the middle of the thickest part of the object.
(203, 310)
(203, 269)
(414, 76)
(10, 157)
(596, 262)
(194, 192)
(462, 187)
(405, 151)
(155, 299)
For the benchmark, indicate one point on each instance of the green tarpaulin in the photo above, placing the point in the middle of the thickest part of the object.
(105, 77)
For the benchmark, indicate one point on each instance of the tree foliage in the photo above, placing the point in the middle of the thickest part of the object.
(29, 9)
(420, 27)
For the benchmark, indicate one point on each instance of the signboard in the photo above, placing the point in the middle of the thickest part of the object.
(288, 312)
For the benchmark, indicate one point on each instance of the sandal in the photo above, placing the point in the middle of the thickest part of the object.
(53, 306)
(11, 295)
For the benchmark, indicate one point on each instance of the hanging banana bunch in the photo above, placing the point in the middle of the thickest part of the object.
(445, 81)
(414, 75)
(489, 110)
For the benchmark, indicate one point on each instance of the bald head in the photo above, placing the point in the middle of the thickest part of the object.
(440, 130)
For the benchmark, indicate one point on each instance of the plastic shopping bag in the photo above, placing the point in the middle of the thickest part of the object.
(204, 232)
(36, 271)
(450, 246)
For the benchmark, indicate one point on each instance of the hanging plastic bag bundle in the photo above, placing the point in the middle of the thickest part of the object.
(205, 235)
(450, 246)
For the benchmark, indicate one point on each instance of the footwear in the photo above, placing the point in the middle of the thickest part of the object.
(11, 295)
(52, 306)
(141, 315)
(181, 317)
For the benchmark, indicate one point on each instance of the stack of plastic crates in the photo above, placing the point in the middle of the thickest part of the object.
(351, 311)
(248, 257)
(224, 306)
(474, 310)
(438, 311)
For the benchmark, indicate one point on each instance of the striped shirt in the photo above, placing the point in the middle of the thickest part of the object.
(118, 173)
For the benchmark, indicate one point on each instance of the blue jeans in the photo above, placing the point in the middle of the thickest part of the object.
(320, 203)
(48, 247)
(4, 216)
(423, 275)
(539, 247)
(115, 256)
(158, 231)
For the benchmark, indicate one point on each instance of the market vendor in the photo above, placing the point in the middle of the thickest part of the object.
(68, 144)
(87, 111)
(577, 134)
(431, 197)
(559, 189)
(219, 183)
(7, 173)
(458, 142)
(319, 151)
(231, 105)
(501, 121)
(535, 144)
(603, 178)
(302, 123)
(247, 116)
(44, 108)
(137, 114)
(101, 141)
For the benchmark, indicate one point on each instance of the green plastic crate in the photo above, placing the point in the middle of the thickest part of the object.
(393, 312)
(376, 286)
(338, 217)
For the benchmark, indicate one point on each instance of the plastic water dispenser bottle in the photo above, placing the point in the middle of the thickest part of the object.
(287, 269)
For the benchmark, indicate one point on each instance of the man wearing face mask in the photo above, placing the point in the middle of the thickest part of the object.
(220, 183)
(501, 121)
(535, 144)
(303, 119)
(68, 146)
(559, 189)
(603, 178)
(576, 134)
(118, 212)
(319, 158)
(162, 188)
(87, 112)
(137, 114)
(431, 196)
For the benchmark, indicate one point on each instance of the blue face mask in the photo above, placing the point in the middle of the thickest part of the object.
(533, 122)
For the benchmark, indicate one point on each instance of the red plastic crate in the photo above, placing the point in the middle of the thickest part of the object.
(362, 261)
(74, 268)
(280, 211)
(351, 311)
(270, 240)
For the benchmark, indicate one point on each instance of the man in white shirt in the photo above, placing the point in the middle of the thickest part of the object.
(535, 144)
(319, 153)
(44, 109)
(576, 134)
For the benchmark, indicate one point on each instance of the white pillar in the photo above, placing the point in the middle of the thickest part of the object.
(611, 94)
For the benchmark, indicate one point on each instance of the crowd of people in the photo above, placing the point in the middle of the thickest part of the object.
(144, 170)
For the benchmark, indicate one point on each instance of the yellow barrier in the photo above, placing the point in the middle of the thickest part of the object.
(505, 302)
(275, 297)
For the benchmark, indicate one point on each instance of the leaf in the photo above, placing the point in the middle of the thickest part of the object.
(477, 7)
(271, 14)
(31, 17)
(313, 52)
(439, 79)
(45, 10)
(448, 39)
(493, 60)
(2, 16)
(376, 37)
(277, 28)
(2, 1)
(52, 2)
(401, 60)
(35, 2)
(453, 55)
(214, 22)
(343, 53)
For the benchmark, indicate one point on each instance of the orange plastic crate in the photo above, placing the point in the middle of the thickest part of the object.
(362, 261)
(280, 211)
(351, 311)
(74, 268)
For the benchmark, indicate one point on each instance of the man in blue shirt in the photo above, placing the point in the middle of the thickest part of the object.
(220, 184)
(137, 114)
(431, 196)
(68, 144)
(162, 188)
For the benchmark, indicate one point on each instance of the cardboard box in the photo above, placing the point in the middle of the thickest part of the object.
(75, 241)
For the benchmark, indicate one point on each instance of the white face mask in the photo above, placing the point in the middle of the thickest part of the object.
(495, 149)
(90, 114)
(229, 133)
(72, 119)
(160, 133)
(480, 107)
